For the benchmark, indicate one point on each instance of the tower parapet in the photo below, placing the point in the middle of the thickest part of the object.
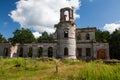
(66, 14)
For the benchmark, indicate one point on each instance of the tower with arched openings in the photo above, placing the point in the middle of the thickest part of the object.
(65, 31)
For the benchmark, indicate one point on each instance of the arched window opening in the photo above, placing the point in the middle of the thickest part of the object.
(66, 16)
(65, 51)
(30, 52)
(40, 50)
(65, 34)
(87, 36)
(78, 37)
(50, 52)
(21, 52)
(5, 52)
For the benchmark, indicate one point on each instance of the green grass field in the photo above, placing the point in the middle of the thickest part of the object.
(52, 69)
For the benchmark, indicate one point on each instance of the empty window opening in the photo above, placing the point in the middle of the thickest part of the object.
(30, 52)
(65, 34)
(88, 52)
(78, 37)
(50, 52)
(21, 52)
(66, 15)
(87, 36)
(40, 50)
(65, 51)
(79, 52)
(5, 52)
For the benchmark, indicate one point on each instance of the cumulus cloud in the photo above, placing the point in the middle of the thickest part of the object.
(41, 15)
(36, 34)
(111, 27)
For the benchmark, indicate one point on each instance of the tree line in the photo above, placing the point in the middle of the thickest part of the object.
(25, 36)
(113, 39)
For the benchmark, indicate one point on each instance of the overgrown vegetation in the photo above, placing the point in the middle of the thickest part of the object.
(45, 69)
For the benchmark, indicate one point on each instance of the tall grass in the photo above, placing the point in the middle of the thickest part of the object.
(97, 71)
(45, 69)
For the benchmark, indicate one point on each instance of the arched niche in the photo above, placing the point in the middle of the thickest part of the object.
(30, 52)
(50, 52)
(40, 51)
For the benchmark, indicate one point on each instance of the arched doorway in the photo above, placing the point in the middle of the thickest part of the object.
(40, 51)
(101, 54)
(21, 52)
(30, 53)
(5, 52)
(50, 52)
(65, 51)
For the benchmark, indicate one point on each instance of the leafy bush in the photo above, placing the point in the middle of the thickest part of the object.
(16, 62)
(20, 62)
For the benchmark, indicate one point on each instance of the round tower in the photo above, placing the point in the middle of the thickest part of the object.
(65, 30)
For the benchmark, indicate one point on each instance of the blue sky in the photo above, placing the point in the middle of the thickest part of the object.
(103, 14)
(98, 13)
(7, 26)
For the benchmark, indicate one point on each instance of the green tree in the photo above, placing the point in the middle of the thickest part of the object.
(22, 36)
(98, 35)
(114, 43)
(51, 38)
(102, 36)
(39, 39)
(45, 37)
(2, 39)
(105, 36)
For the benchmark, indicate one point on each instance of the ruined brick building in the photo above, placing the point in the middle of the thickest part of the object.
(70, 43)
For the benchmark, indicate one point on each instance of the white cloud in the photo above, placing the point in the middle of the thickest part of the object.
(111, 27)
(41, 15)
(36, 34)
